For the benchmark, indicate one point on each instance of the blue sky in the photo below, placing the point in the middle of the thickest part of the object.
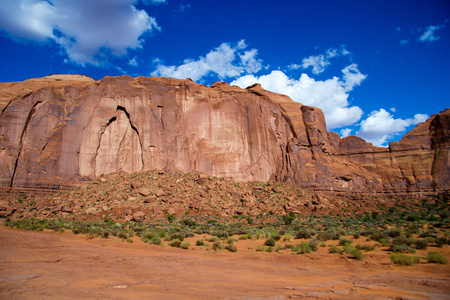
(376, 68)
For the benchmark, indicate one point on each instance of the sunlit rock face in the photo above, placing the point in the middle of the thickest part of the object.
(60, 129)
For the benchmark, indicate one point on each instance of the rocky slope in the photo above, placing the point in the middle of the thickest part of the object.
(61, 129)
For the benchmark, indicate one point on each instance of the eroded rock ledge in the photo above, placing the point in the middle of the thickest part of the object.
(58, 130)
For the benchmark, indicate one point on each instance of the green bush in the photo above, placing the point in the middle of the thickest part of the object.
(441, 241)
(402, 241)
(185, 245)
(403, 249)
(343, 241)
(156, 240)
(214, 239)
(175, 243)
(365, 247)
(303, 248)
(303, 234)
(199, 242)
(217, 246)
(335, 249)
(356, 254)
(434, 257)
(231, 248)
(313, 245)
(270, 242)
(404, 260)
(421, 244)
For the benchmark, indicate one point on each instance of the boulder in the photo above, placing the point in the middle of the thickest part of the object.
(138, 216)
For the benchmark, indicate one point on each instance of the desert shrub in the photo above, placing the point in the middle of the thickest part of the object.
(148, 235)
(214, 239)
(223, 234)
(434, 257)
(403, 249)
(323, 244)
(278, 247)
(356, 235)
(156, 240)
(122, 235)
(288, 237)
(231, 248)
(343, 241)
(404, 260)
(217, 246)
(175, 236)
(276, 236)
(243, 237)
(329, 235)
(402, 241)
(303, 234)
(185, 245)
(230, 241)
(289, 218)
(393, 232)
(270, 242)
(365, 247)
(303, 248)
(428, 233)
(356, 254)
(421, 244)
(313, 245)
(348, 248)
(95, 230)
(430, 240)
(199, 242)
(335, 249)
(441, 241)
(175, 243)
(260, 248)
(105, 233)
(384, 242)
(188, 222)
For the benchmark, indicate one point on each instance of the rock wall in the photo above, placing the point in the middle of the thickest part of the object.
(57, 130)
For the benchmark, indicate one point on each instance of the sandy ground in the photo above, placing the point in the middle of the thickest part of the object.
(50, 265)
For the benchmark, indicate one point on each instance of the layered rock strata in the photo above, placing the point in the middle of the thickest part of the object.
(60, 129)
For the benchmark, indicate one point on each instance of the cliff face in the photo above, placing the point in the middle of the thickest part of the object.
(60, 129)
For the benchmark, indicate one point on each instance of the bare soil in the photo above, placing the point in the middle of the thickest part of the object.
(51, 265)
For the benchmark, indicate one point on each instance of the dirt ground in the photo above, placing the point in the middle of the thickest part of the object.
(50, 265)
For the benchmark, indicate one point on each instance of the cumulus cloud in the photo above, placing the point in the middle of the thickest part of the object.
(89, 31)
(429, 34)
(321, 61)
(330, 95)
(225, 61)
(381, 126)
(345, 132)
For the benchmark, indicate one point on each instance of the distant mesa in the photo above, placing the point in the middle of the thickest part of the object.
(60, 129)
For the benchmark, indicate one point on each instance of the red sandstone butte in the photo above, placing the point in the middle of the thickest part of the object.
(60, 129)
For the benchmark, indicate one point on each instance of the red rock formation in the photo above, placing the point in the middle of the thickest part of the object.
(60, 129)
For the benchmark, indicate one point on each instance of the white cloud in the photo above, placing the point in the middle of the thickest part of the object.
(321, 61)
(381, 126)
(133, 62)
(345, 132)
(89, 31)
(224, 61)
(330, 95)
(429, 34)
